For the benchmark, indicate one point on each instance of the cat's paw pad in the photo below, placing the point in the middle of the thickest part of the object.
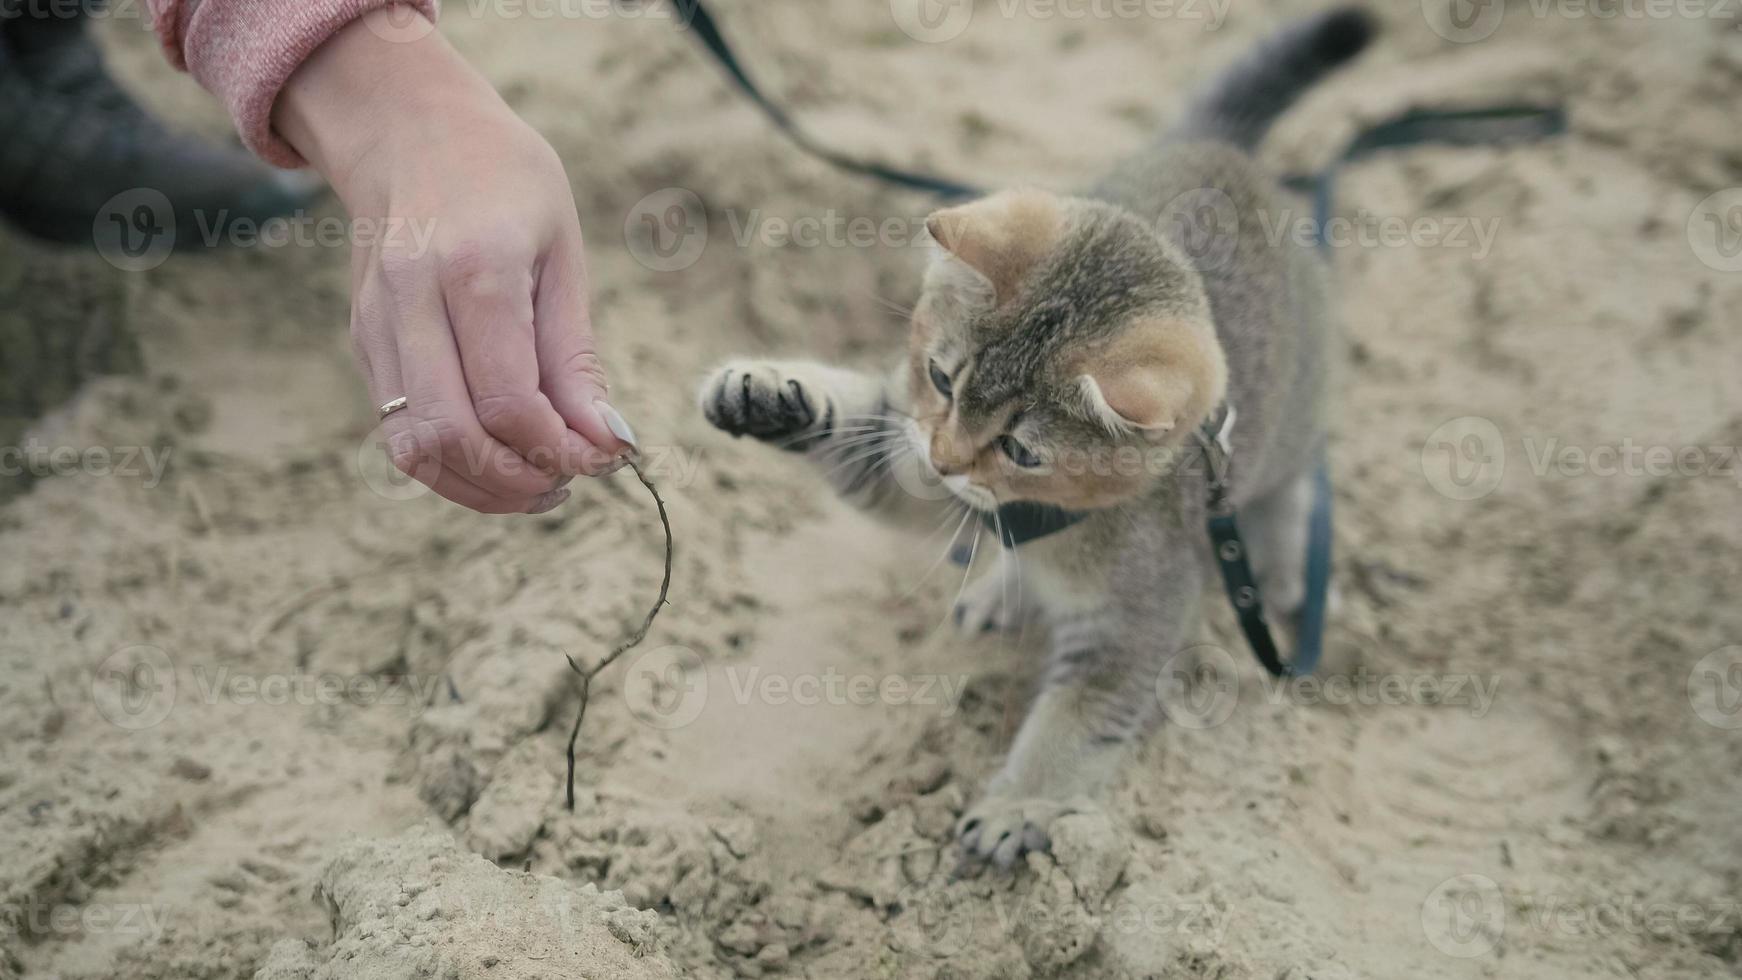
(988, 605)
(746, 398)
(1000, 829)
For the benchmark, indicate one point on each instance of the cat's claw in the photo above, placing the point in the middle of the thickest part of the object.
(1000, 829)
(757, 400)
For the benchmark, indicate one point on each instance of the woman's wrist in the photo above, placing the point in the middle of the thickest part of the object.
(369, 93)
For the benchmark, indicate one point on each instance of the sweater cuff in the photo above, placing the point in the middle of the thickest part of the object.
(243, 51)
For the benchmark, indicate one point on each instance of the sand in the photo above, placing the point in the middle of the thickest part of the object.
(259, 719)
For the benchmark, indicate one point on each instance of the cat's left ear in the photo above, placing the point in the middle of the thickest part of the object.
(1157, 377)
(1002, 236)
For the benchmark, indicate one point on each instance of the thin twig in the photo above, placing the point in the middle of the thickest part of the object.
(633, 639)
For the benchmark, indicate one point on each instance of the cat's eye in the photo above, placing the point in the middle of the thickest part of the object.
(939, 379)
(1018, 453)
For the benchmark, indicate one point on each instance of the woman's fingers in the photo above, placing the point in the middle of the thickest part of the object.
(439, 420)
(412, 446)
(570, 372)
(488, 293)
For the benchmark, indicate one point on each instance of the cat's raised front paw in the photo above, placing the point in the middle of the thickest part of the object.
(747, 398)
(1001, 829)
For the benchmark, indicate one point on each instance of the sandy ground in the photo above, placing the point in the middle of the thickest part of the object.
(243, 706)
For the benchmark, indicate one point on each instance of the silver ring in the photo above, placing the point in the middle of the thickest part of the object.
(392, 406)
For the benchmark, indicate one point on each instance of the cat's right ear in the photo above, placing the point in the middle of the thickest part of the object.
(1159, 377)
(1001, 237)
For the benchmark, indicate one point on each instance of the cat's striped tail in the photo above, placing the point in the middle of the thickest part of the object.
(1241, 103)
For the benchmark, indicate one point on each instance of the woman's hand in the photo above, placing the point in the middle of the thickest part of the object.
(468, 282)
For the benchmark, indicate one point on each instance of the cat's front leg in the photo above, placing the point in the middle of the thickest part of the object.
(795, 405)
(1099, 697)
(847, 422)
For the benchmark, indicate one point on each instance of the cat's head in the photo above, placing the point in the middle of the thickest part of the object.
(1061, 352)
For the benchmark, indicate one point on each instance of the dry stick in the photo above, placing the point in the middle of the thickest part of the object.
(634, 638)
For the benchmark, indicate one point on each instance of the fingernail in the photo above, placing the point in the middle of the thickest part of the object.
(550, 501)
(615, 465)
(615, 423)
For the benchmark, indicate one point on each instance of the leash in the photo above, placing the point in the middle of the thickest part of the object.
(706, 30)
(1021, 521)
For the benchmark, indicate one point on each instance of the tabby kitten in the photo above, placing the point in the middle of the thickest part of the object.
(1064, 351)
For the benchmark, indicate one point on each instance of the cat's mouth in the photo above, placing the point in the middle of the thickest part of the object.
(970, 493)
(962, 487)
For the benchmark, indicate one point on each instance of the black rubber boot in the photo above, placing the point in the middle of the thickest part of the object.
(81, 161)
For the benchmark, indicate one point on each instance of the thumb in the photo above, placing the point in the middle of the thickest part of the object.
(571, 374)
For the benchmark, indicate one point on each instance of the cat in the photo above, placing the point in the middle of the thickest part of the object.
(1064, 351)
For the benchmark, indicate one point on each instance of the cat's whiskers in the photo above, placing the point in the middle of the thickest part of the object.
(900, 310)
(949, 545)
(879, 449)
(973, 552)
(1015, 578)
(858, 440)
(786, 441)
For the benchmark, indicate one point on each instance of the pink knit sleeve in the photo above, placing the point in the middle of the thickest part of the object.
(243, 51)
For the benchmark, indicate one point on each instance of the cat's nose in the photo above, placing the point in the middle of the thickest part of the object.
(946, 461)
